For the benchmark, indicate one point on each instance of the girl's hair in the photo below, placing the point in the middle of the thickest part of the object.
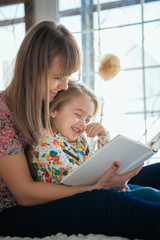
(41, 45)
(74, 89)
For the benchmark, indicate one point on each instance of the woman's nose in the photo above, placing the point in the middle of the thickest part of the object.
(64, 83)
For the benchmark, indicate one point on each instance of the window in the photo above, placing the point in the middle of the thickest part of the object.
(129, 30)
(15, 19)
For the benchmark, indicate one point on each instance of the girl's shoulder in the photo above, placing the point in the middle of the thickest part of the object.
(51, 139)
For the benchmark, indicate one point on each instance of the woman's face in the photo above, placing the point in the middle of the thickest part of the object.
(57, 82)
(72, 119)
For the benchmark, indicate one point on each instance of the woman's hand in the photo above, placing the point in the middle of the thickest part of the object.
(110, 179)
(95, 129)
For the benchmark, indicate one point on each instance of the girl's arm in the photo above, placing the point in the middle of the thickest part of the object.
(103, 140)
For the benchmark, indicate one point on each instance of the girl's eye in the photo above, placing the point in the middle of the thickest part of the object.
(78, 115)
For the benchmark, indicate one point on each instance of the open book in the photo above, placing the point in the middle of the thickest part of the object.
(129, 153)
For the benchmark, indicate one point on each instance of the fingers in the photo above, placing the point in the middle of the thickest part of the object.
(131, 173)
(92, 129)
(112, 169)
(95, 129)
(110, 179)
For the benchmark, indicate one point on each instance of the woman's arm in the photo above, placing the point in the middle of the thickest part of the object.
(16, 175)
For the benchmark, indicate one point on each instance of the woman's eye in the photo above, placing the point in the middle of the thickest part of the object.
(57, 78)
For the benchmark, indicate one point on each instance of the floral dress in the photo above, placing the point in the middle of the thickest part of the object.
(56, 156)
(11, 143)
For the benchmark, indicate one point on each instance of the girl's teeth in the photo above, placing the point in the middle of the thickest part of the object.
(75, 130)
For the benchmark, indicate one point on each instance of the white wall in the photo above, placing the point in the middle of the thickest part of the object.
(45, 10)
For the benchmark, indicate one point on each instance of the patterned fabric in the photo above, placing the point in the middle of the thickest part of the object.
(11, 143)
(55, 156)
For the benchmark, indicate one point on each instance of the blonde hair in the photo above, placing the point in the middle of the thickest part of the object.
(40, 46)
(75, 89)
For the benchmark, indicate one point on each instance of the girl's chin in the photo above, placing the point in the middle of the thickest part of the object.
(73, 138)
(72, 135)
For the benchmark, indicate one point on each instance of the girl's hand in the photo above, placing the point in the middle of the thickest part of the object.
(95, 129)
(111, 180)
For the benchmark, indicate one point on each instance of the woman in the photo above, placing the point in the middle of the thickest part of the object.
(47, 57)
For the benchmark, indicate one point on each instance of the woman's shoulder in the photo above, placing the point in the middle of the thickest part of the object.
(4, 106)
(5, 113)
(11, 140)
(3, 99)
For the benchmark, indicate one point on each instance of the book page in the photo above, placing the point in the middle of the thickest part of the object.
(154, 143)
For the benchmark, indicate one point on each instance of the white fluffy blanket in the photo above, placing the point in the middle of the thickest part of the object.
(61, 236)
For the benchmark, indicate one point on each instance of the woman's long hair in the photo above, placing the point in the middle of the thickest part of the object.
(42, 44)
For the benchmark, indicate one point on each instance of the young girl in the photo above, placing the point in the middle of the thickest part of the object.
(48, 55)
(66, 147)
(59, 153)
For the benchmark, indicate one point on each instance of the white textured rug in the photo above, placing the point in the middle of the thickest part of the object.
(61, 236)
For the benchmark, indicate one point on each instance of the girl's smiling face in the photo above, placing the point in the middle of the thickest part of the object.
(71, 120)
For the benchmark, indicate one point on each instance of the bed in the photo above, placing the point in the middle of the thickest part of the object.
(60, 236)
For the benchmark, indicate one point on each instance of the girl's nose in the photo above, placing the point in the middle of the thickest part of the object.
(64, 83)
(83, 124)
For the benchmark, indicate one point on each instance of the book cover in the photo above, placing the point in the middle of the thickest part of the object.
(128, 152)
